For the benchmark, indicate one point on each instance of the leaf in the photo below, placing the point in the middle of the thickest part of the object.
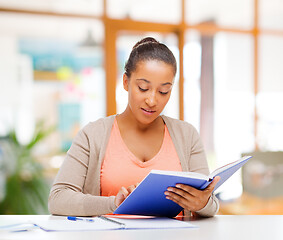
(26, 188)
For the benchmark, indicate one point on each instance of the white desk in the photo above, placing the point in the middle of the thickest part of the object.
(219, 227)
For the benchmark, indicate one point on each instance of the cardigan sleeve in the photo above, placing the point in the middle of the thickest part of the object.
(67, 195)
(198, 163)
(196, 153)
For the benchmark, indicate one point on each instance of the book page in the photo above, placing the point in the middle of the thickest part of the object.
(227, 166)
(181, 174)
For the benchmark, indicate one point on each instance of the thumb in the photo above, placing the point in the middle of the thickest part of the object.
(121, 196)
(213, 183)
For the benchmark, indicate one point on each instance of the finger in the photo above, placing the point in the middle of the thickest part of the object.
(121, 196)
(213, 184)
(176, 199)
(190, 190)
(179, 192)
(173, 196)
(124, 191)
(183, 202)
(131, 188)
(191, 203)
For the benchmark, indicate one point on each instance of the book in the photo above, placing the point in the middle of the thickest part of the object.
(148, 197)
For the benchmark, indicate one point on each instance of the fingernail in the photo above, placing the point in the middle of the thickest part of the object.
(178, 185)
(166, 193)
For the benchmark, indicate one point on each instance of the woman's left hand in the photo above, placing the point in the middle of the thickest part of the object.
(191, 198)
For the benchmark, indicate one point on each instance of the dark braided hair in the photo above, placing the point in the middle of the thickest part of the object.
(149, 49)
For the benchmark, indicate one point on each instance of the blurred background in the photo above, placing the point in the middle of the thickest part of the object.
(61, 66)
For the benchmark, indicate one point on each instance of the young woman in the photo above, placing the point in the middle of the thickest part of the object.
(110, 156)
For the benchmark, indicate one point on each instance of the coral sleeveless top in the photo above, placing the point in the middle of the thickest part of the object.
(121, 167)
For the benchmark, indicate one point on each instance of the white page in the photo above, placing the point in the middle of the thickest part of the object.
(10, 222)
(68, 225)
(100, 224)
(153, 223)
(229, 165)
(16, 227)
(181, 174)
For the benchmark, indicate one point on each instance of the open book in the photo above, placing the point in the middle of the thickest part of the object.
(149, 198)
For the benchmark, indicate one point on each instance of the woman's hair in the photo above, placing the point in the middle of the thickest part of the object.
(149, 49)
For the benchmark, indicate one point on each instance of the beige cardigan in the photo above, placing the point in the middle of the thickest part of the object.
(76, 190)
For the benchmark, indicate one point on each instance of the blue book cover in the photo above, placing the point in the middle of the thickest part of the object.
(149, 198)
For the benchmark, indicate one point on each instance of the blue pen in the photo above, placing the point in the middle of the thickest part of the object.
(79, 219)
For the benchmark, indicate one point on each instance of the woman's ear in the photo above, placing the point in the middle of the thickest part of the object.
(125, 82)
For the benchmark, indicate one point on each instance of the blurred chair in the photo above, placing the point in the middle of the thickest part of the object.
(262, 178)
(263, 174)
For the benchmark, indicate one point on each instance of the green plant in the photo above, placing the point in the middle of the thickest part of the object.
(25, 189)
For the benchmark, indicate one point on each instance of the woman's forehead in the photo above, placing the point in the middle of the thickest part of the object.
(154, 66)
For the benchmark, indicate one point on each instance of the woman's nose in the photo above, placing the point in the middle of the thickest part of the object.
(151, 100)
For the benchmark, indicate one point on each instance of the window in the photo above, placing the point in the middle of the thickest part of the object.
(270, 14)
(56, 63)
(270, 95)
(88, 7)
(232, 13)
(163, 11)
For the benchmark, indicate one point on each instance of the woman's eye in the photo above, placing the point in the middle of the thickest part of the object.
(142, 89)
(164, 93)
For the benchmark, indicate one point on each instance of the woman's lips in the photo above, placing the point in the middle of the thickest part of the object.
(147, 111)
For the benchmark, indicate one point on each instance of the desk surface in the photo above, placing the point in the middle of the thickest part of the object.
(219, 227)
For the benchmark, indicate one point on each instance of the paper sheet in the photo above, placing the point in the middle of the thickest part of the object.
(97, 224)
(67, 225)
(154, 223)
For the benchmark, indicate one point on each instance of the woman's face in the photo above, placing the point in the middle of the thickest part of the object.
(149, 89)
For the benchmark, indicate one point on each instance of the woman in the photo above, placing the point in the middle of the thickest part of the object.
(110, 156)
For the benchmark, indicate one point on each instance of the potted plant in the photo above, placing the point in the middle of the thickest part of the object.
(25, 189)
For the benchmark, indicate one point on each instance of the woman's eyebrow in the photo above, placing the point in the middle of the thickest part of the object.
(163, 84)
(167, 83)
(142, 79)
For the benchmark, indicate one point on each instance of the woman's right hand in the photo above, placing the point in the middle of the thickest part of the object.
(123, 194)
